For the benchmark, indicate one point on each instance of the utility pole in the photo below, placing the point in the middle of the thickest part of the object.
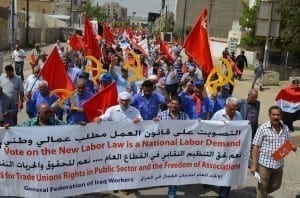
(27, 23)
(166, 20)
(71, 12)
(183, 23)
(12, 24)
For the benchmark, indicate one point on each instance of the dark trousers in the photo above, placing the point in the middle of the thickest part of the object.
(289, 118)
(172, 89)
(224, 191)
(19, 66)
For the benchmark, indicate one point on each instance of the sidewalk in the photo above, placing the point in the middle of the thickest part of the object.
(291, 180)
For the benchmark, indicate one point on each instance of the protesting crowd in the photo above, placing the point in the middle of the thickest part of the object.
(130, 75)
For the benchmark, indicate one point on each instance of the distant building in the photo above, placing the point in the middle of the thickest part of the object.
(221, 14)
(113, 11)
(42, 6)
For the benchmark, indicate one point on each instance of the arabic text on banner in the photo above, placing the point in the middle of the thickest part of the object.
(53, 161)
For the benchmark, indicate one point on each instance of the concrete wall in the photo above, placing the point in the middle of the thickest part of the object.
(222, 14)
(52, 35)
(217, 47)
(3, 33)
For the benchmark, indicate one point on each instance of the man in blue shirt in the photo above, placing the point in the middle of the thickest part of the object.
(76, 114)
(220, 101)
(42, 95)
(195, 103)
(148, 102)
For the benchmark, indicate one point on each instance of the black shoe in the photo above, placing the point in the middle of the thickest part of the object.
(260, 88)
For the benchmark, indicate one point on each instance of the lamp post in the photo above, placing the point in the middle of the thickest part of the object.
(71, 12)
(27, 23)
(133, 13)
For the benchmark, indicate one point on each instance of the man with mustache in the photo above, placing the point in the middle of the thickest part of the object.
(269, 137)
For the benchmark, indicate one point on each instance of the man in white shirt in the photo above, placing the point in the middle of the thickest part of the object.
(229, 113)
(121, 112)
(18, 57)
(30, 86)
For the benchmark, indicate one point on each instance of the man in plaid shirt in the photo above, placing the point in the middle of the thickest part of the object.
(173, 113)
(269, 137)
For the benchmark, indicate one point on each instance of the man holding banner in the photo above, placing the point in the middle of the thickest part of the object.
(269, 140)
(229, 113)
(173, 113)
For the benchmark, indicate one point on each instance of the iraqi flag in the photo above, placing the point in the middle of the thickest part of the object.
(288, 99)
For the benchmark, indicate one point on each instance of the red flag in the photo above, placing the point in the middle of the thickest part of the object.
(91, 44)
(234, 66)
(139, 48)
(98, 104)
(165, 50)
(107, 35)
(283, 150)
(76, 42)
(196, 44)
(54, 72)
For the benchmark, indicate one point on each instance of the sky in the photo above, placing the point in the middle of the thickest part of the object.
(141, 7)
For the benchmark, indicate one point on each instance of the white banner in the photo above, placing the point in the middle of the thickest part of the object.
(59, 161)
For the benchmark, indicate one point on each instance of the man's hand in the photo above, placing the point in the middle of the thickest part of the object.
(21, 105)
(82, 123)
(6, 126)
(136, 120)
(253, 169)
(156, 119)
(97, 119)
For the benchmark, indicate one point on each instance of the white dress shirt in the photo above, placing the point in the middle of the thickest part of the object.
(115, 113)
(222, 116)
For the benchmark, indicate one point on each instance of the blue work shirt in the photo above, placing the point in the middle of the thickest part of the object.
(74, 117)
(148, 107)
(37, 99)
(189, 106)
(219, 103)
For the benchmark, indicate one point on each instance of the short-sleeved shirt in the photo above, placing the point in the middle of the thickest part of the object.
(269, 141)
(166, 115)
(148, 107)
(18, 55)
(222, 116)
(12, 86)
(35, 122)
(115, 113)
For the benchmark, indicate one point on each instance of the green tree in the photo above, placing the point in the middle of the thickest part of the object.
(289, 39)
(248, 23)
(163, 25)
(95, 12)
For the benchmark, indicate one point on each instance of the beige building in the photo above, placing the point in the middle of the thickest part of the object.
(43, 6)
(114, 11)
(221, 14)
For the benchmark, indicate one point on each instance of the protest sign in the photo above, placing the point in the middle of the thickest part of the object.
(53, 161)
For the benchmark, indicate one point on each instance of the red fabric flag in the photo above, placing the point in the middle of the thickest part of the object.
(234, 66)
(108, 35)
(76, 42)
(139, 48)
(196, 44)
(98, 104)
(283, 150)
(165, 50)
(91, 44)
(54, 72)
